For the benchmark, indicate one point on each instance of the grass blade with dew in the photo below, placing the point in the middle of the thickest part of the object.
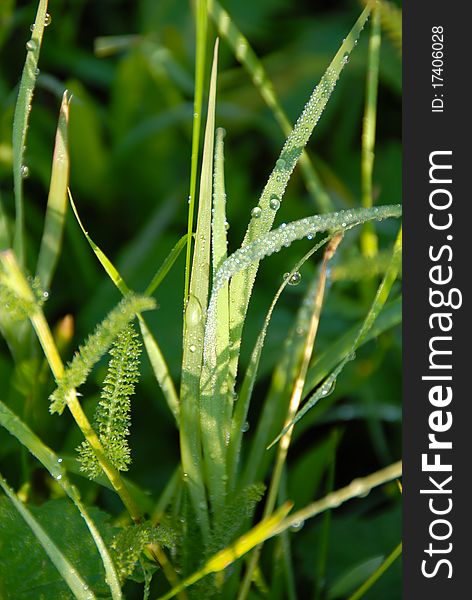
(20, 123)
(269, 202)
(381, 297)
(242, 406)
(156, 358)
(242, 262)
(200, 60)
(368, 239)
(54, 465)
(77, 585)
(191, 414)
(57, 201)
(222, 559)
(216, 401)
(254, 67)
(357, 488)
(377, 574)
(312, 308)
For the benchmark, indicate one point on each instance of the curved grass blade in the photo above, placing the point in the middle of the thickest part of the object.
(377, 305)
(20, 124)
(357, 488)
(54, 465)
(200, 59)
(191, 415)
(156, 358)
(248, 58)
(77, 585)
(242, 406)
(57, 201)
(222, 559)
(377, 574)
(242, 284)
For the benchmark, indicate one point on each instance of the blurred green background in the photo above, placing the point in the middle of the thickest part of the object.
(130, 136)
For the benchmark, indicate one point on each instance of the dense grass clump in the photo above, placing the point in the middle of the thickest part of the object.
(267, 392)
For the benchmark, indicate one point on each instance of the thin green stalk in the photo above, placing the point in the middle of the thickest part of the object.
(368, 237)
(388, 562)
(294, 403)
(200, 59)
(20, 124)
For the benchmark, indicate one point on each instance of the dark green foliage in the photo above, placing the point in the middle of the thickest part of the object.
(26, 573)
(112, 416)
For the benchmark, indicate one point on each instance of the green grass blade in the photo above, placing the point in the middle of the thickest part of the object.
(216, 398)
(54, 465)
(368, 237)
(73, 579)
(241, 285)
(20, 124)
(57, 201)
(248, 58)
(377, 305)
(166, 266)
(194, 325)
(377, 574)
(258, 458)
(242, 406)
(156, 358)
(200, 60)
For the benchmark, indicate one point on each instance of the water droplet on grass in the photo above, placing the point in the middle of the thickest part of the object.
(256, 212)
(293, 279)
(31, 45)
(274, 202)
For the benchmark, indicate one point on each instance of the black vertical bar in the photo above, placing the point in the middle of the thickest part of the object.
(437, 119)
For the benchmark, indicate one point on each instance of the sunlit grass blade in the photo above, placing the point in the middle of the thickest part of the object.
(200, 60)
(377, 305)
(387, 563)
(245, 394)
(242, 283)
(76, 583)
(57, 201)
(248, 58)
(216, 399)
(54, 465)
(261, 532)
(156, 358)
(357, 488)
(312, 307)
(194, 327)
(166, 265)
(20, 124)
(368, 237)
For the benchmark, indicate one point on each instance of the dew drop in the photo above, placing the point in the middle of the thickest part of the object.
(245, 427)
(31, 45)
(59, 460)
(45, 295)
(274, 202)
(226, 225)
(280, 164)
(59, 477)
(47, 20)
(294, 279)
(32, 27)
(256, 212)
(24, 171)
(297, 525)
(192, 348)
(193, 312)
